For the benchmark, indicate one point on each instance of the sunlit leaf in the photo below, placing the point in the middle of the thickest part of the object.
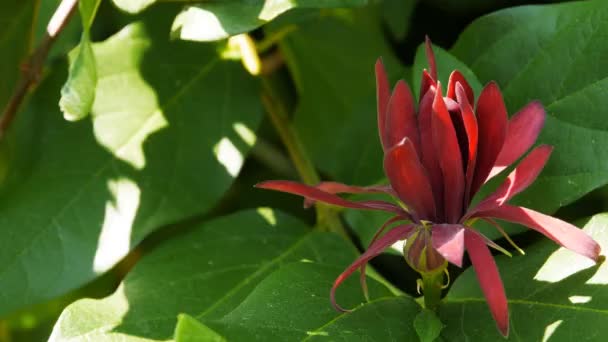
(552, 293)
(78, 93)
(164, 143)
(217, 20)
(242, 274)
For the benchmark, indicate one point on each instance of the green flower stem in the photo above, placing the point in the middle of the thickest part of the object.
(327, 218)
(432, 284)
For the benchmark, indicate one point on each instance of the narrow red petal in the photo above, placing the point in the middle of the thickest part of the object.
(563, 233)
(426, 83)
(409, 179)
(401, 117)
(455, 78)
(319, 195)
(492, 123)
(340, 188)
(471, 129)
(430, 56)
(429, 156)
(519, 179)
(362, 277)
(489, 279)
(523, 129)
(448, 240)
(394, 235)
(383, 93)
(449, 157)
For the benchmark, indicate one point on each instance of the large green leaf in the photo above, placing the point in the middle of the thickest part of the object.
(233, 273)
(16, 20)
(78, 93)
(551, 293)
(217, 20)
(165, 140)
(554, 53)
(332, 61)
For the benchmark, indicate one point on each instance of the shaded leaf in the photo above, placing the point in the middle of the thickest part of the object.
(164, 143)
(221, 270)
(427, 325)
(397, 15)
(16, 19)
(217, 20)
(551, 293)
(332, 62)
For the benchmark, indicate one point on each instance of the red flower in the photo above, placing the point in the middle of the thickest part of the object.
(436, 162)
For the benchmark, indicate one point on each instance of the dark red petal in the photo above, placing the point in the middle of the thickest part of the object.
(409, 180)
(394, 235)
(319, 195)
(426, 83)
(455, 78)
(523, 129)
(429, 156)
(449, 157)
(401, 117)
(563, 233)
(430, 56)
(519, 179)
(470, 127)
(340, 188)
(362, 277)
(492, 123)
(448, 240)
(489, 279)
(383, 93)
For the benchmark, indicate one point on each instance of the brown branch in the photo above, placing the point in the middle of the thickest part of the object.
(32, 67)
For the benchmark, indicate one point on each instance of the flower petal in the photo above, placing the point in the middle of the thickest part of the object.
(319, 195)
(448, 240)
(408, 178)
(492, 122)
(470, 127)
(430, 57)
(563, 233)
(401, 119)
(519, 179)
(426, 83)
(523, 129)
(394, 235)
(450, 159)
(429, 156)
(362, 277)
(383, 93)
(489, 279)
(340, 188)
(455, 78)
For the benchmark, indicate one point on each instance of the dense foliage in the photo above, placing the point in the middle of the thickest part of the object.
(131, 140)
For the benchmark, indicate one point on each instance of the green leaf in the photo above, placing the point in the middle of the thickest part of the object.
(332, 61)
(551, 293)
(16, 18)
(188, 329)
(446, 63)
(428, 326)
(553, 53)
(397, 15)
(217, 20)
(223, 269)
(78, 93)
(165, 140)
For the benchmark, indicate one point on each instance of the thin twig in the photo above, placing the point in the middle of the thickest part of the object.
(32, 67)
